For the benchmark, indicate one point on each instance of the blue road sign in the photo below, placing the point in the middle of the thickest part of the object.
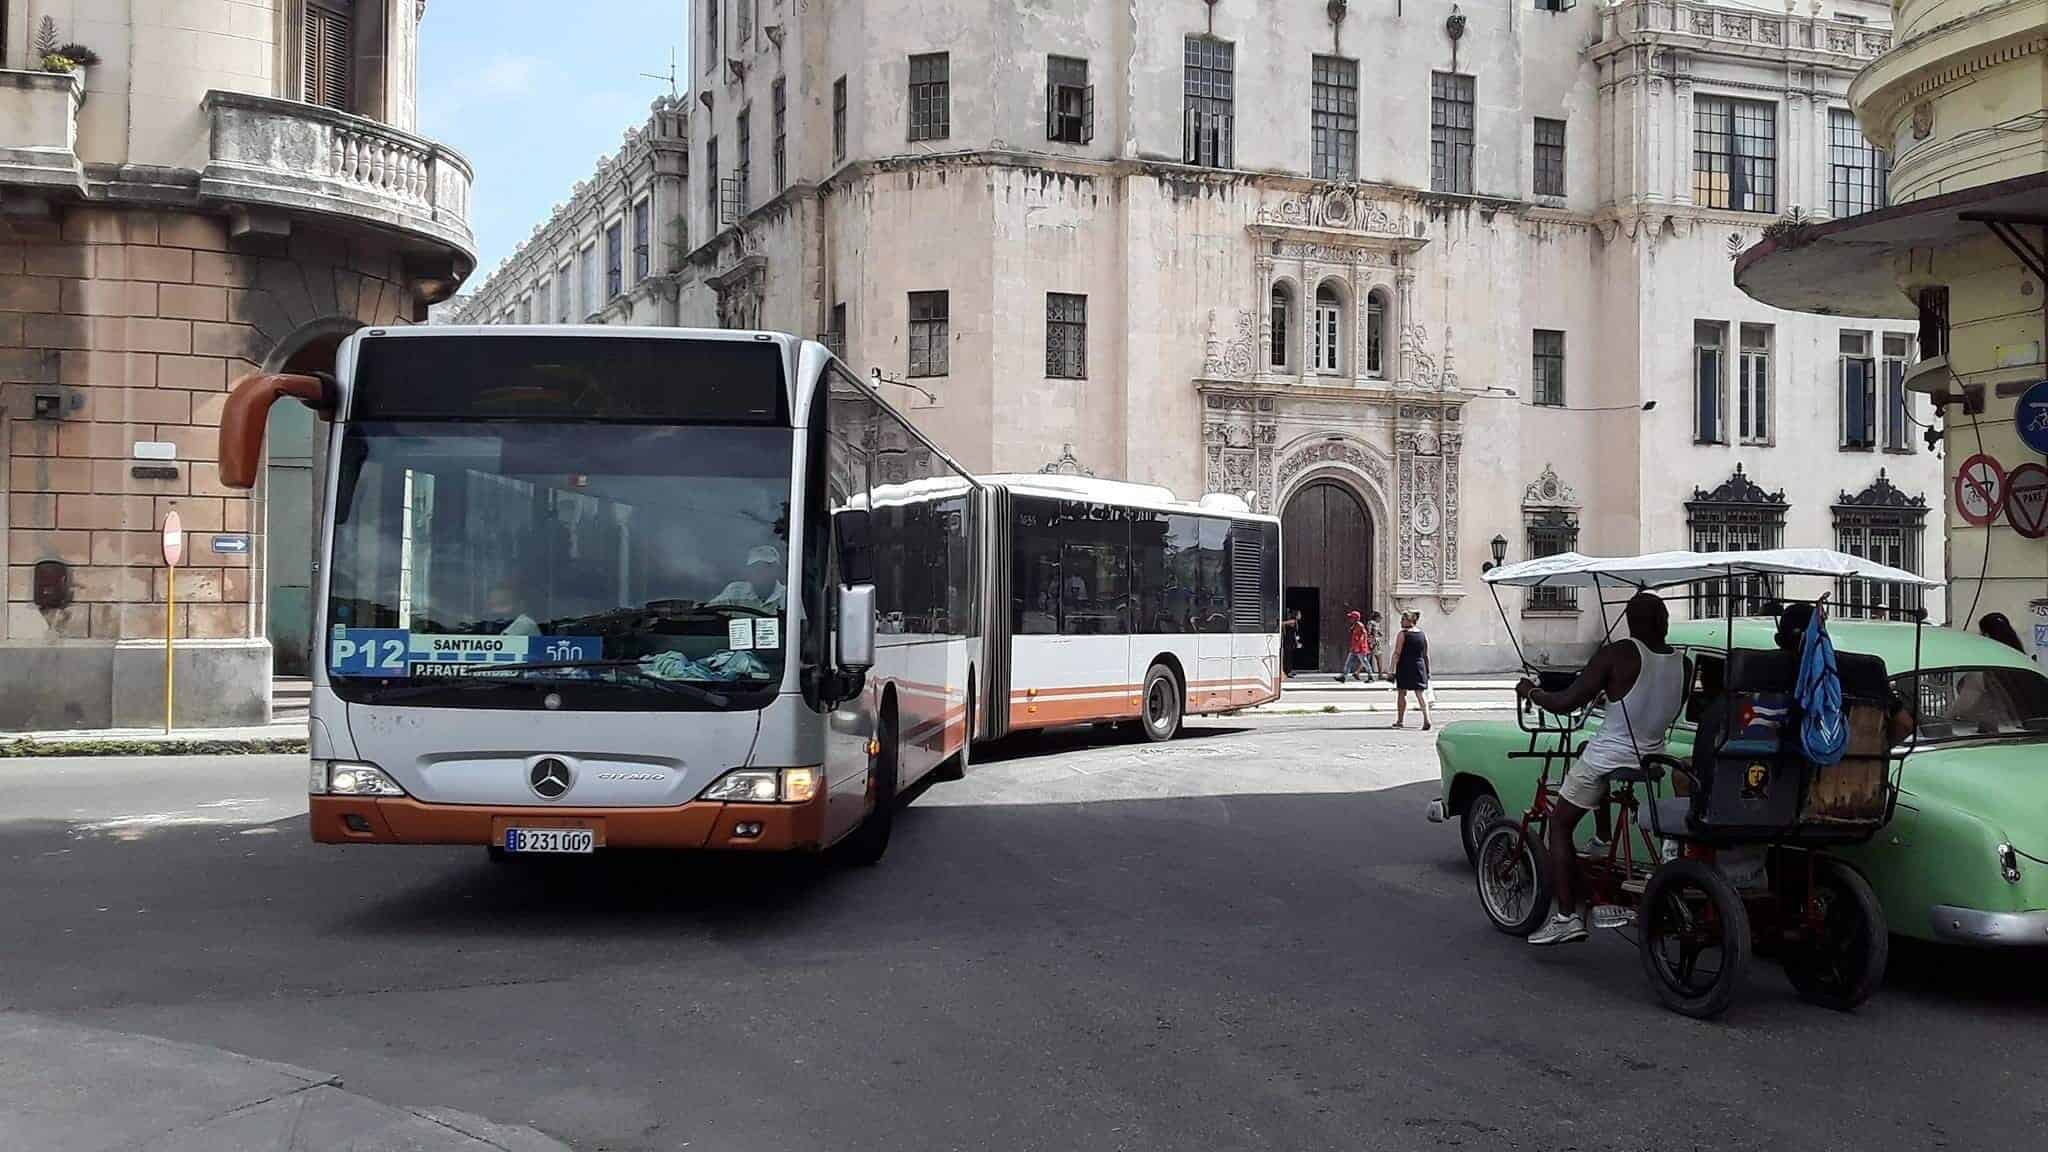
(236, 544)
(2032, 417)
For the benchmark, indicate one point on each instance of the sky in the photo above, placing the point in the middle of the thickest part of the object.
(534, 93)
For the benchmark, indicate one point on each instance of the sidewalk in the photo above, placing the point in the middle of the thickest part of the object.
(290, 701)
(76, 1089)
(1319, 693)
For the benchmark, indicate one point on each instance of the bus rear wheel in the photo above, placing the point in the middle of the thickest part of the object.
(1160, 720)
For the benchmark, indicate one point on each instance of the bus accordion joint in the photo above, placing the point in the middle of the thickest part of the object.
(247, 413)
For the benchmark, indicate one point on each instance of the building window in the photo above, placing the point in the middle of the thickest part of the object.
(1883, 524)
(1736, 516)
(778, 165)
(713, 49)
(1333, 120)
(1549, 157)
(1069, 101)
(1209, 116)
(1546, 369)
(565, 279)
(1709, 374)
(1856, 171)
(930, 116)
(1066, 336)
(835, 336)
(1898, 415)
(1735, 154)
(839, 120)
(1753, 386)
(593, 297)
(1281, 323)
(711, 205)
(544, 302)
(1552, 531)
(641, 240)
(1933, 309)
(1326, 334)
(1858, 372)
(743, 164)
(1450, 132)
(1376, 334)
(614, 260)
(929, 333)
(327, 63)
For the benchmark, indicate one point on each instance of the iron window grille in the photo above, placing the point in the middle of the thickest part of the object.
(1753, 385)
(1333, 119)
(930, 336)
(1547, 369)
(1856, 171)
(930, 114)
(1549, 157)
(1066, 336)
(1551, 532)
(779, 156)
(641, 240)
(1735, 154)
(1209, 117)
(614, 260)
(839, 119)
(1069, 101)
(1858, 372)
(1737, 515)
(1709, 374)
(1883, 524)
(1450, 132)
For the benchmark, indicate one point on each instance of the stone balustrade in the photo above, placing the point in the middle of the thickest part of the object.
(1748, 28)
(39, 129)
(286, 155)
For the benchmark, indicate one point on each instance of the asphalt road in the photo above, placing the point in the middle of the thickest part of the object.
(1249, 939)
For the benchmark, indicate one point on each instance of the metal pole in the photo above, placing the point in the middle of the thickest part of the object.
(170, 634)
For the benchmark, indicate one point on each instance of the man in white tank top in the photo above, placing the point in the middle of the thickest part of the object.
(1643, 681)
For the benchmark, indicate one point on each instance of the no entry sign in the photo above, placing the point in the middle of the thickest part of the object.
(174, 540)
(1980, 490)
(2026, 501)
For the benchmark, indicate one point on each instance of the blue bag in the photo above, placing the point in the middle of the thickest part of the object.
(1823, 725)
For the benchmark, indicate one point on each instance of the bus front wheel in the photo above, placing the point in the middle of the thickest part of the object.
(1160, 720)
(866, 844)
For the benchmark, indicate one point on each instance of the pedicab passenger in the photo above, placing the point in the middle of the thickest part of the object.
(1643, 680)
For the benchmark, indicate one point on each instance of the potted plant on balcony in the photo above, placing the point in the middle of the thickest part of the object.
(71, 58)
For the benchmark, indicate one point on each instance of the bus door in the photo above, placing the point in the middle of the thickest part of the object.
(1217, 662)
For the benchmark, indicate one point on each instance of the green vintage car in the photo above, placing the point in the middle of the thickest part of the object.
(1965, 857)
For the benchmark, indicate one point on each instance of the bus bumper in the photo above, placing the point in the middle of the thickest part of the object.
(703, 824)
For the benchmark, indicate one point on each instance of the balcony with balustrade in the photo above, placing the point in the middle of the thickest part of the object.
(284, 157)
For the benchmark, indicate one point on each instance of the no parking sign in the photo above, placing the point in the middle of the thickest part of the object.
(1980, 490)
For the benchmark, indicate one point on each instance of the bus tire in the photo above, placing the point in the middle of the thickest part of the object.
(956, 766)
(867, 844)
(1159, 718)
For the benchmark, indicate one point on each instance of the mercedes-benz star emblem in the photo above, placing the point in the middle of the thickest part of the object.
(549, 778)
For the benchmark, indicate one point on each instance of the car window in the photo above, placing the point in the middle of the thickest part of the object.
(1977, 703)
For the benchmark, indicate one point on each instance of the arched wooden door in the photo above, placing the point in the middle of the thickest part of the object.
(1328, 558)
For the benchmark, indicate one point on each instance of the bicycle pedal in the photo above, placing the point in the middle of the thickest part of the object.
(1635, 885)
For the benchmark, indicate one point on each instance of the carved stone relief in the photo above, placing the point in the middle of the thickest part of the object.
(1232, 345)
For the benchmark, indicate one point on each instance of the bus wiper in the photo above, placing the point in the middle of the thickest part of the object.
(497, 674)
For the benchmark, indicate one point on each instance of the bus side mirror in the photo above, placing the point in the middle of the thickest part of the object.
(247, 413)
(856, 645)
(856, 546)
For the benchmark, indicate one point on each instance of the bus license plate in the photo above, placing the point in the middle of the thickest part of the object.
(572, 840)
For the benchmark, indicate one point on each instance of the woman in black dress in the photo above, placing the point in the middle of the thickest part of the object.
(1411, 669)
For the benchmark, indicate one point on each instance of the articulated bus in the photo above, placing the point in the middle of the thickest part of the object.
(588, 586)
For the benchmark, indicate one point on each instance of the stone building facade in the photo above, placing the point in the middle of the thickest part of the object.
(234, 185)
(1406, 276)
(611, 253)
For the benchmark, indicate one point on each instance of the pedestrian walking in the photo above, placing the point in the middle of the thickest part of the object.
(1290, 642)
(1375, 643)
(1355, 655)
(1411, 669)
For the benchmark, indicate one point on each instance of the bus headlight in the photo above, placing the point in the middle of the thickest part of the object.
(764, 786)
(351, 778)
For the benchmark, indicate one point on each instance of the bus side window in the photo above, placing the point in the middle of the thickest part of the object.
(1035, 570)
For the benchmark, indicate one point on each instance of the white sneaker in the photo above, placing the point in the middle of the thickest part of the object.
(1594, 849)
(1612, 916)
(1560, 929)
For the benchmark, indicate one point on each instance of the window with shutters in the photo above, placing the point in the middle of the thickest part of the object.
(614, 260)
(1326, 331)
(930, 113)
(1546, 369)
(839, 119)
(544, 302)
(1709, 376)
(1897, 417)
(565, 278)
(1333, 119)
(1549, 157)
(1451, 98)
(327, 67)
(1281, 321)
(778, 160)
(1209, 87)
(711, 190)
(593, 291)
(1066, 336)
(1735, 154)
(743, 165)
(1858, 371)
(1376, 334)
(1069, 101)
(642, 225)
(929, 333)
(1753, 385)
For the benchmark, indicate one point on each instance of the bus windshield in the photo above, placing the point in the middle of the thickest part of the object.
(610, 562)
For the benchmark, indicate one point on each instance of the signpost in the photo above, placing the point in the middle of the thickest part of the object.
(2030, 416)
(174, 551)
(2026, 500)
(1980, 490)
